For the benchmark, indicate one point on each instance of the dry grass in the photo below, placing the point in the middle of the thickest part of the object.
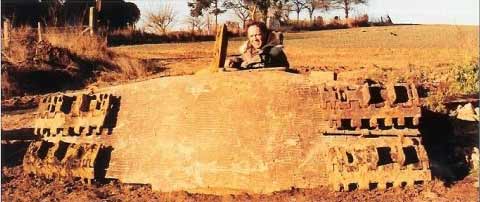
(128, 37)
(80, 44)
(94, 48)
(393, 52)
(387, 47)
(443, 54)
(75, 59)
(19, 51)
(373, 48)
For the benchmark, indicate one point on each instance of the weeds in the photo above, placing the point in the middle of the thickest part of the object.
(336, 23)
(128, 37)
(64, 60)
(455, 81)
(465, 79)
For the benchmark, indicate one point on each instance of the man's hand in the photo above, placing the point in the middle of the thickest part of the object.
(233, 62)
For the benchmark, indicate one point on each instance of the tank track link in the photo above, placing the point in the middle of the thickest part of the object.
(61, 159)
(60, 117)
(383, 123)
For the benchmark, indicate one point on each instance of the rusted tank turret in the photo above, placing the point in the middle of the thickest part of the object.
(244, 131)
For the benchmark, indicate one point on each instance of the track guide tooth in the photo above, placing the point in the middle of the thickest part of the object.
(356, 123)
(373, 123)
(388, 122)
(401, 121)
(416, 121)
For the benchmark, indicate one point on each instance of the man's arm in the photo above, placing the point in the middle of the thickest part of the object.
(277, 58)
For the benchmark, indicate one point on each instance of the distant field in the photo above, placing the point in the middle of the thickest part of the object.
(412, 46)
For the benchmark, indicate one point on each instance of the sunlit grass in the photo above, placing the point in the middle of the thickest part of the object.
(422, 46)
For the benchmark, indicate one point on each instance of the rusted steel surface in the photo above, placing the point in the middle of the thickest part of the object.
(245, 131)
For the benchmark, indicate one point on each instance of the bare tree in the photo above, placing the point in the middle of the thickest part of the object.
(162, 19)
(212, 6)
(298, 6)
(262, 6)
(312, 5)
(281, 11)
(54, 10)
(195, 23)
(240, 8)
(347, 5)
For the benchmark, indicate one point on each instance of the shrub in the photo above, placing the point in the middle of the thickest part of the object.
(128, 37)
(456, 81)
(465, 79)
(64, 60)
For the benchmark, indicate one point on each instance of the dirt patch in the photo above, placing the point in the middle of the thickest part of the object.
(15, 185)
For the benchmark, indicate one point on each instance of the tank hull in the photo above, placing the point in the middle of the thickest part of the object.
(259, 132)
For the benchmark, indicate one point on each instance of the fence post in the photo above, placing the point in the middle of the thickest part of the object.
(221, 44)
(6, 33)
(39, 31)
(91, 21)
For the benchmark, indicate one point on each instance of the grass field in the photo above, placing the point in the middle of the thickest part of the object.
(378, 53)
(392, 47)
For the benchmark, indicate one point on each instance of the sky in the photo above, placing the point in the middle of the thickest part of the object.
(457, 12)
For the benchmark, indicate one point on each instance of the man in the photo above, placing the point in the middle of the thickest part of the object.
(263, 49)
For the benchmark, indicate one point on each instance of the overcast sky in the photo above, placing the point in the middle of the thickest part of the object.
(458, 12)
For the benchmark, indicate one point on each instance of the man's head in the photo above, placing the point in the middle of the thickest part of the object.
(257, 34)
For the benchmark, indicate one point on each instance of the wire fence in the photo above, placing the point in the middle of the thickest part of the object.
(9, 34)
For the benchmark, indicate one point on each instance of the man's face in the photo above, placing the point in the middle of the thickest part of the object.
(255, 37)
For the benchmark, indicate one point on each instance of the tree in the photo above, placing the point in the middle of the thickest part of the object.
(347, 5)
(118, 13)
(262, 7)
(113, 13)
(212, 6)
(298, 6)
(195, 23)
(52, 10)
(21, 12)
(281, 10)
(240, 8)
(161, 20)
(76, 12)
(312, 5)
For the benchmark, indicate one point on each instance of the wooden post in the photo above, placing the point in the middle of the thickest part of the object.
(6, 33)
(91, 21)
(221, 44)
(39, 31)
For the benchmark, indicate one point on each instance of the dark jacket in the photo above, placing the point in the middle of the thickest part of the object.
(270, 55)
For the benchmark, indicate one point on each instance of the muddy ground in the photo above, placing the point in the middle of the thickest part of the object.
(17, 186)
(452, 182)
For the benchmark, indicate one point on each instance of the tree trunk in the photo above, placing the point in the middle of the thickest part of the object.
(311, 16)
(216, 15)
(298, 16)
(346, 7)
(265, 16)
